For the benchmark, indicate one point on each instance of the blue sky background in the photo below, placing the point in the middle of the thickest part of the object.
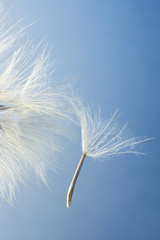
(114, 46)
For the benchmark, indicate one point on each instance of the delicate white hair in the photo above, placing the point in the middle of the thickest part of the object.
(99, 139)
(33, 109)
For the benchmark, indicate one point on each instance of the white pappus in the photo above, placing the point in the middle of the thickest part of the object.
(100, 139)
(32, 110)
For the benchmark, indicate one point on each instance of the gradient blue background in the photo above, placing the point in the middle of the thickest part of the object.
(114, 45)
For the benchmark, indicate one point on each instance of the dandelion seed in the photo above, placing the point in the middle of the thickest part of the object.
(33, 110)
(99, 139)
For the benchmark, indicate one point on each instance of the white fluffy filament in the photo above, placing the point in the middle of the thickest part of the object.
(99, 139)
(32, 110)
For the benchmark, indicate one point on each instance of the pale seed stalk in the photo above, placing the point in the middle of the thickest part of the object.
(74, 179)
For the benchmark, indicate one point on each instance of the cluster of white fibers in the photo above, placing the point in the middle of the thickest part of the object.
(33, 110)
(103, 139)
(100, 139)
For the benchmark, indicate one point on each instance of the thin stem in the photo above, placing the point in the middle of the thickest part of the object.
(72, 185)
